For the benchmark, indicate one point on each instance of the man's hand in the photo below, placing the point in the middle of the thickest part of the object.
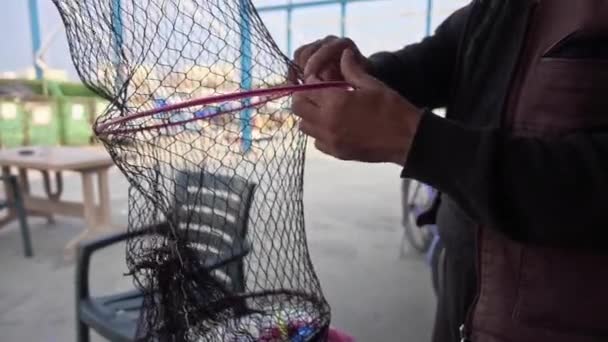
(371, 123)
(322, 58)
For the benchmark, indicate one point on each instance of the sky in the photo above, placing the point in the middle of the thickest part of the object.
(374, 26)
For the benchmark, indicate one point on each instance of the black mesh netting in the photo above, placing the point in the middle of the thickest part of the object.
(215, 201)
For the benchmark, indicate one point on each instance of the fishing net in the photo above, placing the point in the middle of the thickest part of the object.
(198, 121)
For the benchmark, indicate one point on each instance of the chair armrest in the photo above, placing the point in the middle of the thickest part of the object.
(236, 254)
(83, 259)
(7, 177)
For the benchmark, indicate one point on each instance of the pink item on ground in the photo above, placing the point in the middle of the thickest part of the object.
(339, 336)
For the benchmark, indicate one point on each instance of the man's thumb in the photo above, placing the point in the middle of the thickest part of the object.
(354, 71)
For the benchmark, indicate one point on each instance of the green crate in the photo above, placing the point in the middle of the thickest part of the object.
(57, 113)
(12, 126)
(78, 115)
(43, 124)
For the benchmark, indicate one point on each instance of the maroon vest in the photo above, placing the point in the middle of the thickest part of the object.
(528, 293)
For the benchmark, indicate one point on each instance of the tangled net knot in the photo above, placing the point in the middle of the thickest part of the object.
(217, 242)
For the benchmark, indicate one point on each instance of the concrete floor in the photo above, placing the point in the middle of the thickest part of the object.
(354, 232)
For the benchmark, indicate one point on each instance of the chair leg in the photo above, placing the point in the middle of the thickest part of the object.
(82, 332)
(21, 215)
(25, 233)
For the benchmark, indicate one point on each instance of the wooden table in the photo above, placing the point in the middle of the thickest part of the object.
(88, 162)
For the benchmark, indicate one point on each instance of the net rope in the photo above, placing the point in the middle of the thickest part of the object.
(217, 245)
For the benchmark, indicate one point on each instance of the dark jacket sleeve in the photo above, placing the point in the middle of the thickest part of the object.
(546, 192)
(423, 72)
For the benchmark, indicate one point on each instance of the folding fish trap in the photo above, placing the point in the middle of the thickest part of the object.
(199, 123)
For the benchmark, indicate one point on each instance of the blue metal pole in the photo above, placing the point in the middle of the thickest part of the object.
(429, 17)
(117, 28)
(308, 4)
(289, 33)
(289, 7)
(246, 69)
(343, 18)
(35, 32)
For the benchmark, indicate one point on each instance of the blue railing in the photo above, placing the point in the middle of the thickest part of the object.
(35, 33)
(245, 35)
(289, 7)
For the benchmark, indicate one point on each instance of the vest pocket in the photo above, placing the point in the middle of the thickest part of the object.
(564, 291)
(564, 94)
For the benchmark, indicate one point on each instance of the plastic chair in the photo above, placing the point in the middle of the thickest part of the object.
(16, 202)
(219, 199)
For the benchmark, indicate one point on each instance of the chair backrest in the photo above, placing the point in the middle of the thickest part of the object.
(213, 210)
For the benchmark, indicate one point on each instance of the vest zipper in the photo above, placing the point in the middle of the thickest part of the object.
(461, 47)
(466, 326)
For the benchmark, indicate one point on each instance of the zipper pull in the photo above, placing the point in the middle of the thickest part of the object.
(463, 334)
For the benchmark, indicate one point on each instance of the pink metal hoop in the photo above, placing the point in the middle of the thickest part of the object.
(112, 126)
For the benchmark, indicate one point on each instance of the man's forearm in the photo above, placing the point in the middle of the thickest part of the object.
(419, 72)
(538, 191)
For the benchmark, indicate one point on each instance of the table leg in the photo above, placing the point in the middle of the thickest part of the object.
(58, 184)
(88, 199)
(46, 182)
(24, 181)
(104, 198)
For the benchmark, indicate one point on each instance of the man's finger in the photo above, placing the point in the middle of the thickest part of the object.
(302, 54)
(299, 56)
(317, 96)
(331, 73)
(294, 74)
(332, 151)
(311, 129)
(355, 73)
(330, 51)
(304, 107)
(321, 146)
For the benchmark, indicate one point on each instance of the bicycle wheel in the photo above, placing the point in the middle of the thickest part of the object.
(437, 260)
(416, 198)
